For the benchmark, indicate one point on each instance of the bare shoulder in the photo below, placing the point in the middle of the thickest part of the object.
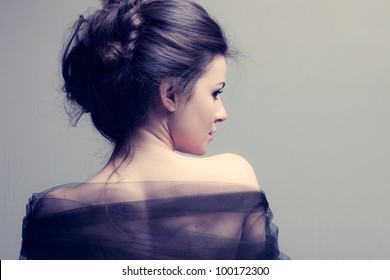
(232, 168)
(81, 192)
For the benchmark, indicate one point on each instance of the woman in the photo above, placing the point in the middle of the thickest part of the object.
(150, 74)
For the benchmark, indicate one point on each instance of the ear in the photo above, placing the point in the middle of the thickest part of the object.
(167, 95)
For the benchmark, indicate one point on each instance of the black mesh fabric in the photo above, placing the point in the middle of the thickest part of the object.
(178, 220)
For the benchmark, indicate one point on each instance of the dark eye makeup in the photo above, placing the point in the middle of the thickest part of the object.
(218, 92)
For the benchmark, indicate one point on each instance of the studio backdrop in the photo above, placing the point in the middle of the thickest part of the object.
(308, 102)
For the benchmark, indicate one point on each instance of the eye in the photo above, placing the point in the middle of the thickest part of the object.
(217, 93)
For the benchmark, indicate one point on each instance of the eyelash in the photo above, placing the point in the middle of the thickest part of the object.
(215, 94)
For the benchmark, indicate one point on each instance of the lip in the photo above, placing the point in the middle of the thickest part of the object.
(211, 134)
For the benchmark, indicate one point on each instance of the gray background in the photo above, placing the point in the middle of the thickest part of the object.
(308, 106)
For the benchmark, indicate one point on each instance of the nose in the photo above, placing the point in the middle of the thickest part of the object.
(220, 114)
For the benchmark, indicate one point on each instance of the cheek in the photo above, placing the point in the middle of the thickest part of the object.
(206, 111)
(191, 137)
(191, 127)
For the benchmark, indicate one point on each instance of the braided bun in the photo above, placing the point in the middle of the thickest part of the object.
(123, 24)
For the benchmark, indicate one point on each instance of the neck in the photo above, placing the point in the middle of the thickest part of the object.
(150, 139)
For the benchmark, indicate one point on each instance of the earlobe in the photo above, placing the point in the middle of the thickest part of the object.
(168, 96)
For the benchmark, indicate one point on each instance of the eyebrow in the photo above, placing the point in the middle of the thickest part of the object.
(223, 84)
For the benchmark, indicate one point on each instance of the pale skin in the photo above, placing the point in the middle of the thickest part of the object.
(184, 126)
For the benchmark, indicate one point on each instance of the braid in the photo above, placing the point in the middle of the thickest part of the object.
(115, 30)
(133, 29)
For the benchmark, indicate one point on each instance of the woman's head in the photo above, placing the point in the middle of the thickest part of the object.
(119, 56)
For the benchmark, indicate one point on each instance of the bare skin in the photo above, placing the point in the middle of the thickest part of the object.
(182, 126)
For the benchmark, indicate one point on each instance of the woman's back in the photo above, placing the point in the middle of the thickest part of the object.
(225, 173)
(226, 224)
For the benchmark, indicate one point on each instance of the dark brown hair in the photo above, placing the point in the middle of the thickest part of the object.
(118, 56)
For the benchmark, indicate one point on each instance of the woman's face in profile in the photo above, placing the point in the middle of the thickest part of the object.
(194, 123)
